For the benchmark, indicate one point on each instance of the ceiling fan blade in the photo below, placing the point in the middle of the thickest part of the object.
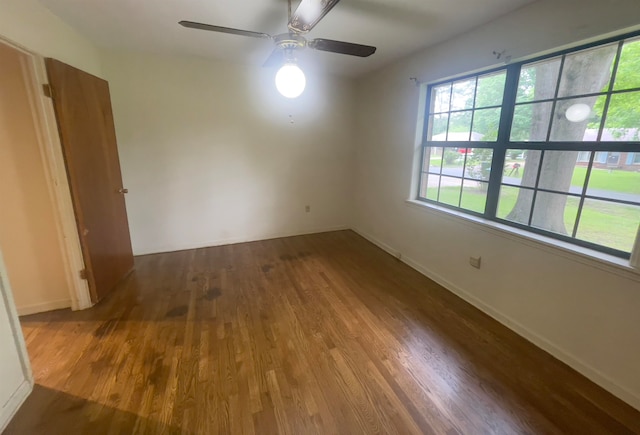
(309, 13)
(276, 59)
(342, 47)
(212, 28)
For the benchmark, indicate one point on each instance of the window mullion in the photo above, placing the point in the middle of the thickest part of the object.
(500, 148)
(614, 73)
(535, 188)
(585, 188)
(552, 114)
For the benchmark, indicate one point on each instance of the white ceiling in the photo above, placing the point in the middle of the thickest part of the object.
(396, 27)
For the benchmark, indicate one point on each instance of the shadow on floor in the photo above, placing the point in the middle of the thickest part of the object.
(64, 414)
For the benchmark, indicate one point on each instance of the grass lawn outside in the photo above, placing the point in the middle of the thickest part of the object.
(603, 223)
(614, 180)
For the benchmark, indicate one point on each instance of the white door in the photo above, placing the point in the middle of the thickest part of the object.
(15, 375)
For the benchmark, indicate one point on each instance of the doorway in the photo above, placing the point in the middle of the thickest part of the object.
(39, 222)
(39, 249)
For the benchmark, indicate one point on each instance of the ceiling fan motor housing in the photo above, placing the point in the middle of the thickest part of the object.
(290, 41)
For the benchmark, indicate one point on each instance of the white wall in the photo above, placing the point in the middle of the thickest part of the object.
(210, 156)
(32, 26)
(585, 316)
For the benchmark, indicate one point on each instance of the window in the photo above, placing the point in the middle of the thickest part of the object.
(546, 145)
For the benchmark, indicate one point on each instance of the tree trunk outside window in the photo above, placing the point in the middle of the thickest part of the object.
(583, 74)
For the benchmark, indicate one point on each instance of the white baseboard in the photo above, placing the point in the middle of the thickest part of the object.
(595, 375)
(25, 310)
(234, 240)
(14, 403)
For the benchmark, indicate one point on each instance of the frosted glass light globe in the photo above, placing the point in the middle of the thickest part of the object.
(290, 81)
(578, 112)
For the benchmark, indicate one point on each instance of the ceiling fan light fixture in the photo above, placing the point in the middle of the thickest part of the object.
(290, 80)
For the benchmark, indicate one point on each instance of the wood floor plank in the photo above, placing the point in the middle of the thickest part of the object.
(318, 334)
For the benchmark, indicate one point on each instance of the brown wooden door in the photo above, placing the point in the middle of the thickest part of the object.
(85, 122)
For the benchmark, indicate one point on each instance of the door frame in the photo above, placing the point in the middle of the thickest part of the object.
(20, 395)
(35, 75)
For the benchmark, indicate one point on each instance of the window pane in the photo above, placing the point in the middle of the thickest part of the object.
(440, 98)
(587, 71)
(433, 182)
(562, 172)
(623, 117)
(514, 204)
(478, 165)
(531, 122)
(453, 162)
(521, 167)
(433, 159)
(538, 80)
(460, 126)
(438, 127)
(584, 157)
(571, 120)
(555, 212)
(609, 224)
(450, 190)
(628, 75)
(601, 158)
(614, 183)
(462, 94)
(485, 125)
(474, 195)
(490, 89)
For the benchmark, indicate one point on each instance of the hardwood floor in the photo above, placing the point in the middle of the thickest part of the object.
(322, 334)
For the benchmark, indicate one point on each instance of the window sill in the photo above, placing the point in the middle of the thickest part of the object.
(589, 257)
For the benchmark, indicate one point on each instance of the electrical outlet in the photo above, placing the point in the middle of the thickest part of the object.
(475, 262)
(307, 208)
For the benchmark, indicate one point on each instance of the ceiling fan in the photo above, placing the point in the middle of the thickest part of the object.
(290, 79)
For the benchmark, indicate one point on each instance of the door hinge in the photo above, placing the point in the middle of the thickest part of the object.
(83, 274)
(48, 91)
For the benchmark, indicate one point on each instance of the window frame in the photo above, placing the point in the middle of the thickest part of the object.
(503, 143)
